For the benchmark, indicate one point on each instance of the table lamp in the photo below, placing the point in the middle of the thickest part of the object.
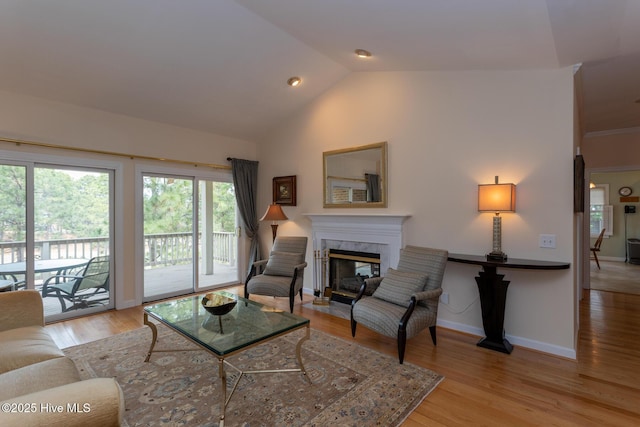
(497, 198)
(274, 214)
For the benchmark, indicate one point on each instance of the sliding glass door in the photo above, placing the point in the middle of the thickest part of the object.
(56, 228)
(189, 240)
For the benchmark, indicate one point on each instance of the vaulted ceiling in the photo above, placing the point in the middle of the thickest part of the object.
(221, 65)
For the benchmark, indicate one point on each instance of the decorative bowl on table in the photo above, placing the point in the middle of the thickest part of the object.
(218, 304)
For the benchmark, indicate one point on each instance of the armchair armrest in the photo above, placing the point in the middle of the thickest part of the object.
(373, 283)
(258, 266)
(426, 295)
(300, 266)
(370, 283)
(97, 402)
(20, 308)
(260, 263)
(254, 270)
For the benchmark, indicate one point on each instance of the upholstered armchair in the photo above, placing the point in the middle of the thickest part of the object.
(406, 301)
(282, 274)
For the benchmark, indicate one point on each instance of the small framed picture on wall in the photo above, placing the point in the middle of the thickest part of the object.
(284, 190)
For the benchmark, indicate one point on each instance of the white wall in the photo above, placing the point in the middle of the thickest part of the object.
(615, 149)
(447, 133)
(34, 119)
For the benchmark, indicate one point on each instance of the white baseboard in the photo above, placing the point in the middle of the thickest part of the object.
(568, 353)
(516, 341)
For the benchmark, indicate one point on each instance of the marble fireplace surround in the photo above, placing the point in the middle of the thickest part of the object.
(374, 233)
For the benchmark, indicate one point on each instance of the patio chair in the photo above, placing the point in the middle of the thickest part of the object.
(406, 301)
(89, 287)
(282, 274)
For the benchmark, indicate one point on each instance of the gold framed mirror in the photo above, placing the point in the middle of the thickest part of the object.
(356, 177)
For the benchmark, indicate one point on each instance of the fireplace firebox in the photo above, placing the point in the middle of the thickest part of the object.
(347, 270)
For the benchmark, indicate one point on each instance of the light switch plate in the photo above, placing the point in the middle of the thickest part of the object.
(548, 241)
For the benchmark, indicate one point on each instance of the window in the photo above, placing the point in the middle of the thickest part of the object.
(348, 191)
(600, 211)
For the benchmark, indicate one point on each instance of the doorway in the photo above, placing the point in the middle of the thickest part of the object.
(621, 218)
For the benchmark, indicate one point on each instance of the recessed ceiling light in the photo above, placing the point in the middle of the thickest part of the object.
(361, 53)
(294, 81)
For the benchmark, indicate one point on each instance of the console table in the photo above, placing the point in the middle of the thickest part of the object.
(493, 293)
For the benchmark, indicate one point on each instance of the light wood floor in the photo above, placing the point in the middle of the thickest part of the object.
(616, 276)
(483, 387)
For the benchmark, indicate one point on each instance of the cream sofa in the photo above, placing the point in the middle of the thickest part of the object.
(39, 385)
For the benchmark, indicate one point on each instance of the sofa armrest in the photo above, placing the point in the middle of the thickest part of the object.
(94, 402)
(20, 308)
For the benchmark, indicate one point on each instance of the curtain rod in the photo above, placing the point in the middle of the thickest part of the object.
(19, 142)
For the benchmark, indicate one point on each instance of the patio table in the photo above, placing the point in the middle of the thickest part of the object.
(60, 266)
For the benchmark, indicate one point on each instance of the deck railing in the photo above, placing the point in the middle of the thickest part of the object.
(161, 249)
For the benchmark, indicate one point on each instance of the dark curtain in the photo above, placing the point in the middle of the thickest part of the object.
(245, 181)
(373, 187)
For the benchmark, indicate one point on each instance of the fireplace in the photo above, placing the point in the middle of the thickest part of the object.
(347, 270)
(378, 236)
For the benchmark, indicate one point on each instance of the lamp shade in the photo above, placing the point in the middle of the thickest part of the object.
(274, 213)
(496, 197)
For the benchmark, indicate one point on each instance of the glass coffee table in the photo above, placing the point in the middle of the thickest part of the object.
(247, 325)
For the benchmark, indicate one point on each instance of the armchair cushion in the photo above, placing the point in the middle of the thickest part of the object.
(384, 317)
(398, 287)
(276, 286)
(282, 263)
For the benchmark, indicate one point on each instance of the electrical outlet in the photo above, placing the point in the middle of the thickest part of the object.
(548, 241)
(444, 298)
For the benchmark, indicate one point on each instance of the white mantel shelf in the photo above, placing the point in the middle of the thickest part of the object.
(358, 217)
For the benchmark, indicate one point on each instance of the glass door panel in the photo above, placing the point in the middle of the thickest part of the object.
(217, 240)
(71, 248)
(168, 236)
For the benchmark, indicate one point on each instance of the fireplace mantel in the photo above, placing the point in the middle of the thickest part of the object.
(389, 219)
(384, 230)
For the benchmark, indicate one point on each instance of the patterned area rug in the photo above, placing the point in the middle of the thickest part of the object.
(351, 385)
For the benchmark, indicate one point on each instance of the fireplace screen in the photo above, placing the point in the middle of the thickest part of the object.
(347, 269)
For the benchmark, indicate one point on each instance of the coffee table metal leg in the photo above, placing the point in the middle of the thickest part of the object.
(154, 332)
(223, 395)
(306, 336)
(224, 399)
